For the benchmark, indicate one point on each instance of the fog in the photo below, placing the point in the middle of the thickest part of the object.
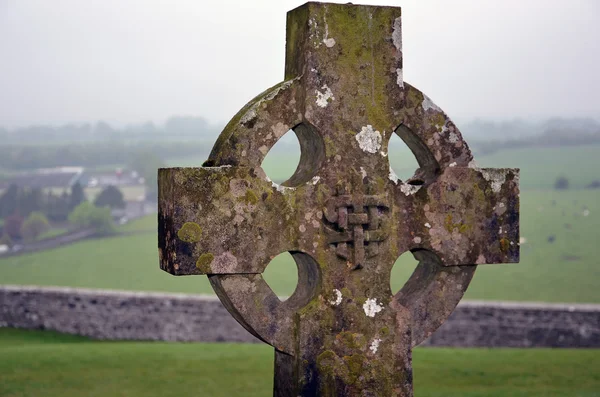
(126, 61)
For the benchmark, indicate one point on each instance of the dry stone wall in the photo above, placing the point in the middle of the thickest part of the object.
(125, 315)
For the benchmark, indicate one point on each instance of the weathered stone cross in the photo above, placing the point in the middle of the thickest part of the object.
(344, 216)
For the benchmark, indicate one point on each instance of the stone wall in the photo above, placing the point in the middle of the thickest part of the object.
(153, 316)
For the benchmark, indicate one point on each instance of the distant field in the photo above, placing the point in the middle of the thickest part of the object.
(44, 363)
(564, 270)
(539, 166)
(144, 224)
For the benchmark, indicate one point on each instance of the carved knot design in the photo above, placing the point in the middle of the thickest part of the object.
(358, 222)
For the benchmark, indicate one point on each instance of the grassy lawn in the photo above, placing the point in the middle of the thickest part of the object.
(144, 224)
(48, 364)
(54, 232)
(541, 166)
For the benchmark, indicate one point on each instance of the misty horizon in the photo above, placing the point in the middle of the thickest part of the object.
(129, 62)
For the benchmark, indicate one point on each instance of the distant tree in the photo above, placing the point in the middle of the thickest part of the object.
(594, 185)
(6, 240)
(103, 130)
(77, 196)
(110, 197)
(12, 226)
(562, 183)
(56, 207)
(34, 226)
(87, 215)
(147, 165)
(30, 200)
(9, 201)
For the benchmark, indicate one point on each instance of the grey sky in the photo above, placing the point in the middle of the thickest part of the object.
(127, 61)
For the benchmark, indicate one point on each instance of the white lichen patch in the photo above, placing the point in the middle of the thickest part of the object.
(338, 298)
(315, 180)
(399, 78)
(427, 225)
(328, 41)
(323, 98)
(371, 307)
(282, 189)
(302, 228)
(409, 189)
(397, 33)
(428, 104)
(495, 177)
(417, 240)
(374, 345)
(363, 173)
(453, 138)
(249, 116)
(452, 164)
(393, 177)
(368, 139)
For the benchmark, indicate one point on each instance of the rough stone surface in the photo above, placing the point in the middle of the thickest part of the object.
(342, 215)
(119, 315)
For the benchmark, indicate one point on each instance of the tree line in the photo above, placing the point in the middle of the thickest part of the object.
(27, 212)
(19, 157)
(175, 128)
(553, 133)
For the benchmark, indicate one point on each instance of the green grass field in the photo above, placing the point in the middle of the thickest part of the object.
(53, 232)
(565, 270)
(559, 261)
(540, 167)
(48, 364)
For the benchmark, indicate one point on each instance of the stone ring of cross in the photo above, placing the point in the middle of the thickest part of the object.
(343, 215)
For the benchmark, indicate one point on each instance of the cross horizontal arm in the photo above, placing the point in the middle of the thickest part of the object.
(220, 220)
(470, 216)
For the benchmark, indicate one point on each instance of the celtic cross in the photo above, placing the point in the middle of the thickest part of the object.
(344, 216)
